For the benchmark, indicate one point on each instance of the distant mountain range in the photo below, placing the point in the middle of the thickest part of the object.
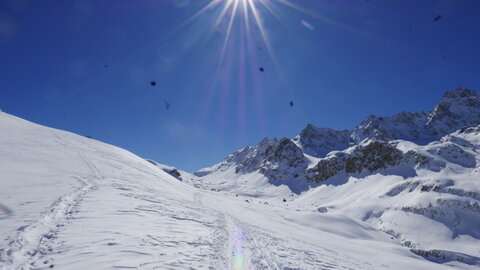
(368, 146)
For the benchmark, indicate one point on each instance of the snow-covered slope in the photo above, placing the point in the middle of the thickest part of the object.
(403, 188)
(76, 203)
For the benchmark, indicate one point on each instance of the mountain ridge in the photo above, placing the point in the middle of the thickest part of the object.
(448, 115)
(456, 109)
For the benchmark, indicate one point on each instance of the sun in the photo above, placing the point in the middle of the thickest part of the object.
(253, 13)
(248, 9)
(240, 28)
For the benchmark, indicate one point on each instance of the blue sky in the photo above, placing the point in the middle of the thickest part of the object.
(338, 61)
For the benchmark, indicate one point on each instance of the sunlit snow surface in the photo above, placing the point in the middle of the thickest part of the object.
(81, 204)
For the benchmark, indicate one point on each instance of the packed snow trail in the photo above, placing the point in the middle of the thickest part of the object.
(252, 247)
(31, 242)
(81, 204)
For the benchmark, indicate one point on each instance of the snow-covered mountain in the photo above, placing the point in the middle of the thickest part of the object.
(457, 109)
(318, 142)
(290, 162)
(401, 174)
(325, 200)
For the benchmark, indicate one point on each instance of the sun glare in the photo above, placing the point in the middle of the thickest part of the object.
(251, 13)
(245, 51)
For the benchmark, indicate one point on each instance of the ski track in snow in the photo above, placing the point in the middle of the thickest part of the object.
(34, 241)
(249, 247)
(268, 252)
(274, 253)
(185, 235)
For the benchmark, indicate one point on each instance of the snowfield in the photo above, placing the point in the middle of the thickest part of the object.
(70, 202)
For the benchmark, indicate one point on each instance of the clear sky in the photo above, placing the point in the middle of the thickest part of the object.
(86, 66)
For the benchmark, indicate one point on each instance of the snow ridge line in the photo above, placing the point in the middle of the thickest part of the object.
(28, 245)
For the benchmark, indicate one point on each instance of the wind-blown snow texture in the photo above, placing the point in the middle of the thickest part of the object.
(380, 196)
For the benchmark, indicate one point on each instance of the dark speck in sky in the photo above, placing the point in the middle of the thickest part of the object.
(153, 83)
(261, 69)
(291, 103)
(438, 18)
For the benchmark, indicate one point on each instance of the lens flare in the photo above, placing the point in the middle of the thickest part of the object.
(230, 11)
(239, 241)
(239, 29)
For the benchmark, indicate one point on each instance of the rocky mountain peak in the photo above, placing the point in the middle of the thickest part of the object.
(457, 109)
(461, 93)
(318, 142)
(268, 156)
